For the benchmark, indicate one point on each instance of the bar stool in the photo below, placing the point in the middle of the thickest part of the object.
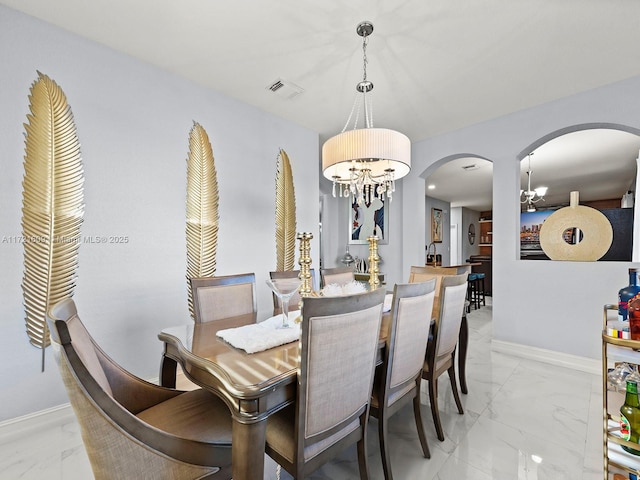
(475, 290)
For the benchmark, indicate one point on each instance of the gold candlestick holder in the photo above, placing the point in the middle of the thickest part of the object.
(374, 259)
(305, 264)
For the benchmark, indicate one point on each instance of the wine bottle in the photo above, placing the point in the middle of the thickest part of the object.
(627, 293)
(630, 417)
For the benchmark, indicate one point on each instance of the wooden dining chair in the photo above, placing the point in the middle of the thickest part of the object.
(223, 297)
(338, 275)
(441, 348)
(340, 337)
(131, 428)
(398, 380)
(281, 278)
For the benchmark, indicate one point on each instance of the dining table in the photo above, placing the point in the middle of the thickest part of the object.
(252, 385)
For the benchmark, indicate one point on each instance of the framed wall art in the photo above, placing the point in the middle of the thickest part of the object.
(436, 225)
(369, 218)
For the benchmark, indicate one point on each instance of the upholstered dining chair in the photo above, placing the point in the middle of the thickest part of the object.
(222, 297)
(338, 275)
(339, 338)
(441, 348)
(281, 278)
(132, 428)
(420, 273)
(398, 380)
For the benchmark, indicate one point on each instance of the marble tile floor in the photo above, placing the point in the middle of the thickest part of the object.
(523, 420)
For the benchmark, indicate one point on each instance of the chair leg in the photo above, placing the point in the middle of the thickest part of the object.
(454, 387)
(384, 450)
(435, 413)
(476, 293)
(463, 343)
(419, 425)
(363, 465)
(484, 302)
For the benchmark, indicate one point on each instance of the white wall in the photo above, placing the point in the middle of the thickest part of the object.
(550, 305)
(133, 122)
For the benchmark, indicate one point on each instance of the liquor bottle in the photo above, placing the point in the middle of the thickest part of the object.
(630, 417)
(627, 293)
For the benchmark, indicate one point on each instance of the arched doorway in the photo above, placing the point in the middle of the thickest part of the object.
(458, 188)
(596, 160)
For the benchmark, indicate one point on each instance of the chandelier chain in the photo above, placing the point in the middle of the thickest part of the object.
(365, 40)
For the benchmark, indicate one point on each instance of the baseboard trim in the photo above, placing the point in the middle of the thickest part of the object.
(583, 364)
(19, 426)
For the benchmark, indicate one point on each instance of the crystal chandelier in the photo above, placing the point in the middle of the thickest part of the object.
(360, 160)
(531, 197)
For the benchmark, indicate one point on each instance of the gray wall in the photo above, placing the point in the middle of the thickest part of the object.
(469, 217)
(569, 318)
(133, 122)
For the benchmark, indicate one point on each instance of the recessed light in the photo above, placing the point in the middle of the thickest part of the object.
(431, 187)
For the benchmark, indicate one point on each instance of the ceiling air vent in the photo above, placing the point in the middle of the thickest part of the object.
(285, 89)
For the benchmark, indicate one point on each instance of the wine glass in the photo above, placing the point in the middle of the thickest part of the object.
(284, 290)
(617, 377)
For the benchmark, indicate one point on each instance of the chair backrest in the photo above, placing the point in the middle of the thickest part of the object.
(281, 279)
(223, 297)
(411, 309)
(340, 338)
(453, 293)
(338, 275)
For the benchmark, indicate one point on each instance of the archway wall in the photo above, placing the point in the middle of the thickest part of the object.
(550, 305)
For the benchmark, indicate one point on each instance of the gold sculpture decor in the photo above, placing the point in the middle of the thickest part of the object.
(202, 209)
(594, 225)
(52, 206)
(285, 215)
(374, 261)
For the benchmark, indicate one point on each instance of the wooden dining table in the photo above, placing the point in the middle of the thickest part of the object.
(253, 385)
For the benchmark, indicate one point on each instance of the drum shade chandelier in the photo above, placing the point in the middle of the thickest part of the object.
(361, 159)
(531, 197)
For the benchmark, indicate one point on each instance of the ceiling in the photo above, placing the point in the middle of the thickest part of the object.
(600, 164)
(437, 65)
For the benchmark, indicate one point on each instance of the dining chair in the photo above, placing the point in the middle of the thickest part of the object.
(281, 278)
(132, 428)
(223, 297)
(338, 275)
(441, 348)
(398, 380)
(425, 273)
(339, 342)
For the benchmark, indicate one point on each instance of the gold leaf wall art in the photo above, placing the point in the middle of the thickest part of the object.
(285, 215)
(202, 209)
(52, 206)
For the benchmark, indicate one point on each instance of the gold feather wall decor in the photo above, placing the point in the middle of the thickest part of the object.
(202, 209)
(285, 215)
(52, 206)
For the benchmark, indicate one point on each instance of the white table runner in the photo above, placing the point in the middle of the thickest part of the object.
(263, 335)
